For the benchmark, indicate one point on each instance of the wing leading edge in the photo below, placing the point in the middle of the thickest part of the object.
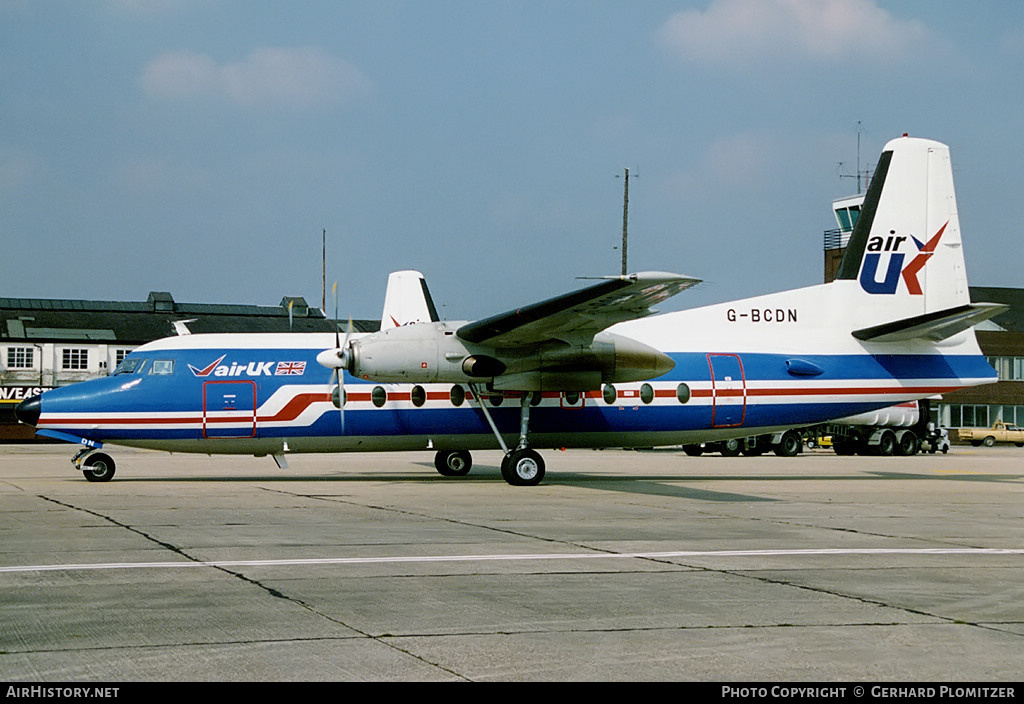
(577, 316)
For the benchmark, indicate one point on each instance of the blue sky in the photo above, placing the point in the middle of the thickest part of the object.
(201, 146)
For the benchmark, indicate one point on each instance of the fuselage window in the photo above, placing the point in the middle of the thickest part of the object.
(379, 396)
(572, 397)
(338, 396)
(646, 393)
(536, 397)
(610, 394)
(418, 395)
(683, 393)
(496, 399)
(457, 395)
(162, 366)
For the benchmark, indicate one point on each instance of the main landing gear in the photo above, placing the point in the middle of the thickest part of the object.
(522, 466)
(95, 466)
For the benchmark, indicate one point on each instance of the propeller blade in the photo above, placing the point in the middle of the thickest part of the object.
(336, 335)
(338, 397)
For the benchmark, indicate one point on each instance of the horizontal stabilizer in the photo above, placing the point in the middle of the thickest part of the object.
(934, 326)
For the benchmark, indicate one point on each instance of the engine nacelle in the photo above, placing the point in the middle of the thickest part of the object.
(416, 353)
(432, 352)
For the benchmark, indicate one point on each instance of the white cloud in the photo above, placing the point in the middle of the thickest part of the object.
(299, 77)
(737, 31)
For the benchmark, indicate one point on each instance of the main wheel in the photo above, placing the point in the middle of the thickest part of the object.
(887, 444)
(98, 468)
(453, 463)
(730, 448)
(790, 444)
(693, 450)
(522, 468)
(908, 444)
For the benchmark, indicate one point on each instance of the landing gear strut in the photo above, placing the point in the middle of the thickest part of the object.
(521, 466)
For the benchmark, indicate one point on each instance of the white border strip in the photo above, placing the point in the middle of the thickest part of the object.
(513, 558)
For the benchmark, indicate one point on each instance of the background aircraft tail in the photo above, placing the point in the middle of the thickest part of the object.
(407, 300)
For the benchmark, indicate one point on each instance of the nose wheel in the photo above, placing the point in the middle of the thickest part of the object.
(96, 467)
(456, 463)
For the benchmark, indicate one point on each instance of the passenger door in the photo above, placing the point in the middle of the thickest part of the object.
(229, 409)
(728, 390)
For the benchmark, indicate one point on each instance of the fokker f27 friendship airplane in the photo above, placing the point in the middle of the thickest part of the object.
(591, 368)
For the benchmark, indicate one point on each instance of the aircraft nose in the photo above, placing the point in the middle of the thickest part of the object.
(28, 410)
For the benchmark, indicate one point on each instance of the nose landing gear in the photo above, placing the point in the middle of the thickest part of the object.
(95, 466)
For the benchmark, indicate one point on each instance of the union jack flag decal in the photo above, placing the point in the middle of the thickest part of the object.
(284, 368)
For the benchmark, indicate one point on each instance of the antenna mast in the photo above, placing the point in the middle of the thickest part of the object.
(625, 217)
(859, 125)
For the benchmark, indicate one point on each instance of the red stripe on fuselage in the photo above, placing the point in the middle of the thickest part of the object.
(301, 402)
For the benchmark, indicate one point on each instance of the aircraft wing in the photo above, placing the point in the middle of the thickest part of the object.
(577, 316)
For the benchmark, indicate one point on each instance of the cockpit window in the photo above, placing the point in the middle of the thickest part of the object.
(130, 365)
(162, 366)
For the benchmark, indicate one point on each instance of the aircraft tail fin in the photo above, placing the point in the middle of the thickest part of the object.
(407, 300)
(905, 252)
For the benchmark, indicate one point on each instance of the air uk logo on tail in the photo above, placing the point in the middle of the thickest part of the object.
(891, 245)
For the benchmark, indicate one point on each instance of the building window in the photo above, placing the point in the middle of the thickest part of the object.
(119, 356)
(20, 357)
(1008, 368)
(977, 416)
(74, 358)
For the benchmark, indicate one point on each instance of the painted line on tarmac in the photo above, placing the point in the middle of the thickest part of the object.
(665, 555)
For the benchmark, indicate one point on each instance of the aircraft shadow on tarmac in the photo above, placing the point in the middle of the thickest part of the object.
(667, 484)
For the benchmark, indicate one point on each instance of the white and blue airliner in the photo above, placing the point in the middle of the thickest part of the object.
(592, 368)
